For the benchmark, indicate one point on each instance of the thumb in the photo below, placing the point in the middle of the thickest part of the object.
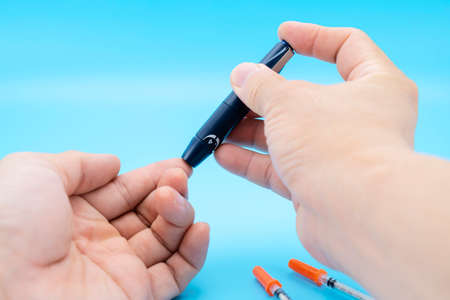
(257, 86)
(83, 172)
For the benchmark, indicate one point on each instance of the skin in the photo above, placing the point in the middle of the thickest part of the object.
(71, 228)
(366, 203)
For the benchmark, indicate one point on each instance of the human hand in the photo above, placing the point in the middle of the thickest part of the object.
(328, 145)
(70, 228)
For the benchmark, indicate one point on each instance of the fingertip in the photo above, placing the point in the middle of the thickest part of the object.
(241, 72)
(176, 178)
(196, 243)
(204, 228)
(114, 160)
(173, 207)
(187, 168)
(176, 174)
(168, 200)
(285, 28)
(300, 36)
(165, 193)
(256, 85)
(191, 255)
(176, 163)
(204, 232)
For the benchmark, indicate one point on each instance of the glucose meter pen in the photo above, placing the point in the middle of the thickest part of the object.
(230, 112)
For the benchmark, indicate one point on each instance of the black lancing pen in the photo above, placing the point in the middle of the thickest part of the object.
(230, 112)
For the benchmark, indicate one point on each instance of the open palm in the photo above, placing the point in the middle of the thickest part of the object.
(70, 228)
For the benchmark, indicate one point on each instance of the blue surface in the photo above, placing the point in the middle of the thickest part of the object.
(137, 79)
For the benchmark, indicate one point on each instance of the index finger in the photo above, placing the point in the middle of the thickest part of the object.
(354, 53)
(126, 191)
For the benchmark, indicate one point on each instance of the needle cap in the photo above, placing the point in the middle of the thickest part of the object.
(265, 279)
(308, 271)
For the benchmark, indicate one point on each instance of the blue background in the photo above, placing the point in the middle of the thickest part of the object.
(137, 79)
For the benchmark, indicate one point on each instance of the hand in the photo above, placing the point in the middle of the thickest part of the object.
(328, 145)
(70, 228)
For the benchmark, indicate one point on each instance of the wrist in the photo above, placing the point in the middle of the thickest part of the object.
(348, 197)
(401, 224)
(370, 208)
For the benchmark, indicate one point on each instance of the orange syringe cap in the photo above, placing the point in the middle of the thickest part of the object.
(308, 271)
(265, 279)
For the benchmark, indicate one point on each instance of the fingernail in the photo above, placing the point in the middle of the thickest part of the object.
(240, 74)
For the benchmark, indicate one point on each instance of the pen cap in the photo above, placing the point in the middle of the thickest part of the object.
(265, 279)
(308, 271)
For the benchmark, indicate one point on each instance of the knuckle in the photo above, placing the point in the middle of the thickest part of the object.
(123, 192)
(409, 87)
(116, 159)
(413, 89)
(357, 32)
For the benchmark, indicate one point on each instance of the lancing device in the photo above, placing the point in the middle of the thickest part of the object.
(230, 112)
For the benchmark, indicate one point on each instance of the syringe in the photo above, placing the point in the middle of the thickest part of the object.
(272, 286)
(321, 277)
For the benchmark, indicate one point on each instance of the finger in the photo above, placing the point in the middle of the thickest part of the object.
(171, 278)
(176, 178)
(84, 172)
(257, 86)
(149, 209)
(249, 133)
(172, 220)
(253, 166)
(191, 256)
(145, 213)
(175, 215)
(129, 189)
(355, 54)
(129, 224)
